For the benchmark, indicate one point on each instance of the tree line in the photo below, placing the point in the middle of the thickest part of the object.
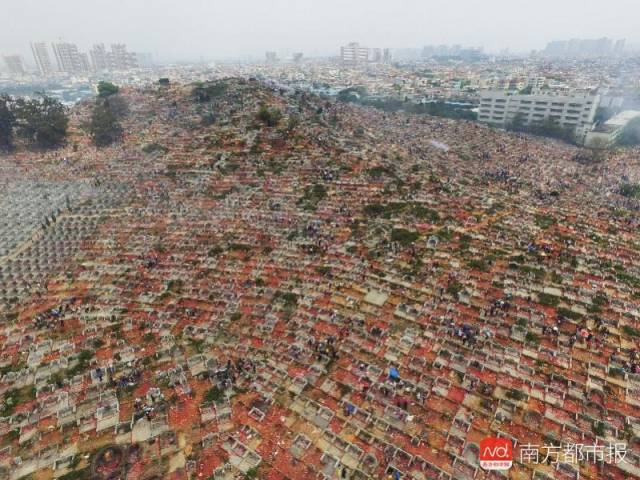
(439, 108)
(544, 128)
(42, 121)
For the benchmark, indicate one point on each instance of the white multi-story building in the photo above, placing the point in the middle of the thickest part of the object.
(535, 83)
(576, 111)
(353, 54)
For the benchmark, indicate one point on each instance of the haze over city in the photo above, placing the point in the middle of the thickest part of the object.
(319, 240)
(190, 29)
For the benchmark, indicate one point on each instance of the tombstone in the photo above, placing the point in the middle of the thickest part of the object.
(107, 417)
(141, 431)
(87, 423)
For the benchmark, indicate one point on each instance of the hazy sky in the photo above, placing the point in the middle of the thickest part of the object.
(188, 29)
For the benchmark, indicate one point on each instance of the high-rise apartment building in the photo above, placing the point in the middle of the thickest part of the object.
(84, 62)
(577, 47)
(99, 58)
(144, 60)
(69, 59)
(353, 54)
(121, 59)
(42, 58)
(118, 58)
(557, 48)
(618, 48)
(271, 57)
(14, 64)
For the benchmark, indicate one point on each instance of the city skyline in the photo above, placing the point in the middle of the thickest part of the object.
(70, 59)
(245, 28)
(96, 58)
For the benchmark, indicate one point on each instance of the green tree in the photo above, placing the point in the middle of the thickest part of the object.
(205, 92)
(352, 94)
(269, 116)
(118, 105)
(404, 237)
(214, 394)
(443, 109)
(106, 89)
(42, 121)
(551, 128)
(252, 473)
(631, 133)
(104, 127)
(631, 190)
(545, 128)
(7, 122)
(518, 122)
